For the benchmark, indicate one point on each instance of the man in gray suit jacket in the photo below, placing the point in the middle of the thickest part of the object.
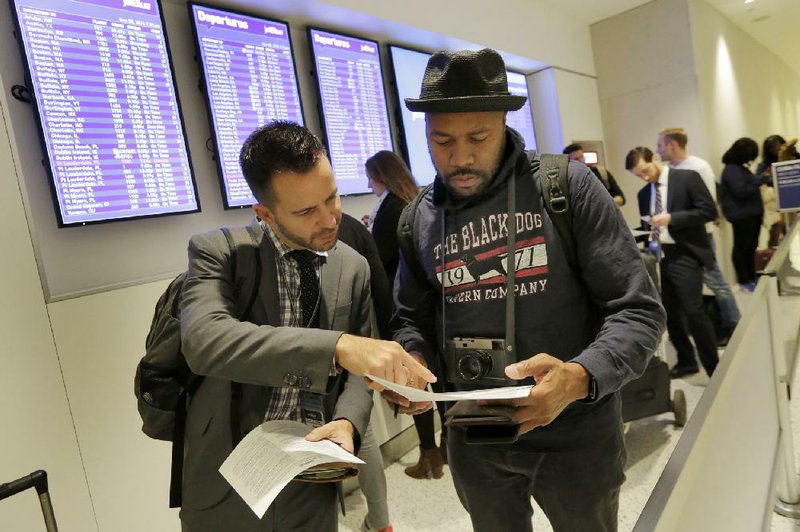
(284, 359)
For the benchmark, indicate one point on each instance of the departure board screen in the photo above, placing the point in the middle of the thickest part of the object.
(354, 114)
(250, 79)
(522, 119)
(408, 67)
(108, 111)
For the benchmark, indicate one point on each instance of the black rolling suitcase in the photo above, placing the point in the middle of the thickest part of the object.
(650, 394)
(37, 479)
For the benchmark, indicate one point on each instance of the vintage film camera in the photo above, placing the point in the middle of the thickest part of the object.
(478, 361)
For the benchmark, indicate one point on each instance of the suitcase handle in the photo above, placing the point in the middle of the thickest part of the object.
(38, 480)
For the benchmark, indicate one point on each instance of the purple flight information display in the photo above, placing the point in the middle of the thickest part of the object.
(250, 80)
(350, 82)
(108, 110)
(409, 67)
(522, 119)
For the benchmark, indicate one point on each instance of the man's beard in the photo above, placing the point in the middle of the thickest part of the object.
(485, 180)
(321, 241)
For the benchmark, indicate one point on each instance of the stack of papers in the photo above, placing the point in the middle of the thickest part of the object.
(275, 453)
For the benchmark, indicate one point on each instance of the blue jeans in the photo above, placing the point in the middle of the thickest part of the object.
(713, 279)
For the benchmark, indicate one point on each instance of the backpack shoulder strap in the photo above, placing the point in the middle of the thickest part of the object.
(238, 242)
(554, 185)
(406, 237)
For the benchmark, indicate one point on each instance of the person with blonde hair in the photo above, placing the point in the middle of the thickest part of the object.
(671, 146)
(775, 149)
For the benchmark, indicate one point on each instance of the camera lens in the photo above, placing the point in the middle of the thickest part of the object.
(474, 365)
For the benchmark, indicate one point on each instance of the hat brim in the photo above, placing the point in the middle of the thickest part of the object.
(466, 104)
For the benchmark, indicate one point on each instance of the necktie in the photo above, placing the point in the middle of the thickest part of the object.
(655, 234)
(309, 286)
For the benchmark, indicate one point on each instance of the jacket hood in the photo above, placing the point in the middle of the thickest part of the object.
(513, 154)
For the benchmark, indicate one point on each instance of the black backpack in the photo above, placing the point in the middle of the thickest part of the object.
(552, 174)
(164, 382)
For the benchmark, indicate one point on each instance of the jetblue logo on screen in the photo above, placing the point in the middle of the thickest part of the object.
(138, 4)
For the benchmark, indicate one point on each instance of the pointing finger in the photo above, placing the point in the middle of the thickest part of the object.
(417, 368)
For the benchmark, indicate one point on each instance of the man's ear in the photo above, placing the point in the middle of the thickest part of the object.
(263, 213)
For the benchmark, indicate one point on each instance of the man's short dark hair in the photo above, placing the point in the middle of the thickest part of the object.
(572, 148)
(639, 152)
(279, 146)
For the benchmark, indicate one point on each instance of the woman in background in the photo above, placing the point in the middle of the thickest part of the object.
(770, 153)
(391, 180)
(740, 198)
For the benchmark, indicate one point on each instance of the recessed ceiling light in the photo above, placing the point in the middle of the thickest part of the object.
(749, 1)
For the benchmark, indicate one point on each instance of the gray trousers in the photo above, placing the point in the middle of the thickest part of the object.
(372, 481)
(577, 490)
(300, 506)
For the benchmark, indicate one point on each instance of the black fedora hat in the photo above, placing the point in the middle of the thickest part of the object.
(465, 81)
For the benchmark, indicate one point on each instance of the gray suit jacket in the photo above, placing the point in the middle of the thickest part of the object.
(258, 352)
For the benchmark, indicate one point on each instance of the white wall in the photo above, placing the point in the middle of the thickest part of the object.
(36, 425)
(566, 107)
(579, 107)
(546, 110)
(66, 369)
(646, 82)
(734, 72)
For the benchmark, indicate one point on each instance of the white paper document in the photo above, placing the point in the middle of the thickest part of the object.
(413, 394)
(270, 456)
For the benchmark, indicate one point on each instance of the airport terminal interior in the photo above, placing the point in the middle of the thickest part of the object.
(121, 125)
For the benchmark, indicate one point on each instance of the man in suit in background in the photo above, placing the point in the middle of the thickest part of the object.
(671, 147)
(309, 322)
(675, 205)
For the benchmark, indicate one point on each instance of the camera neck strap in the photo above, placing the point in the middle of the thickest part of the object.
(511, 266)
(511, 262)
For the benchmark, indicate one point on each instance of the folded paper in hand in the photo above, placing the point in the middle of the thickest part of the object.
(275, 453)
(413, 394)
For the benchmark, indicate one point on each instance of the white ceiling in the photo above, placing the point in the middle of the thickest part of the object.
(773, 23)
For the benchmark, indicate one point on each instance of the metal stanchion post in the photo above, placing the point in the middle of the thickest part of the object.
(788, 485)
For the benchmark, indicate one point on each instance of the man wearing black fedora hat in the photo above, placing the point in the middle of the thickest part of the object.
(581, 330)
